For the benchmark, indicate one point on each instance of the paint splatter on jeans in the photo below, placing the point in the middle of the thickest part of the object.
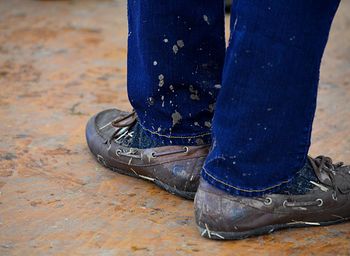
(254, 102)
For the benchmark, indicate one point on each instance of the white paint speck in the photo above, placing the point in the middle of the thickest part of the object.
(206, 19)
(180, 43)
(155, 63)
(176, 116)
(161, 80)
(175, 48)
(217, 86)
(165, 40)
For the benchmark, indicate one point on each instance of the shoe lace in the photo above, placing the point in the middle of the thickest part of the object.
(117, 122)
(324, 163)
(124, 127)
(319, 164)
(123, 132)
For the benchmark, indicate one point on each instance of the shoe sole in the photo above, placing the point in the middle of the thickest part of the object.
(214, 235)
(184, 194)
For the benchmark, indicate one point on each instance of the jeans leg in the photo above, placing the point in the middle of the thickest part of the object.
(176, 54)
(265, 109)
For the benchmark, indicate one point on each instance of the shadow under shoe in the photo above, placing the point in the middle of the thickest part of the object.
(173, 168)
(222, 216)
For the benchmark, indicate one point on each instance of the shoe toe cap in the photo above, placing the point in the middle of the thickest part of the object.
(99, 129)
(93, 138)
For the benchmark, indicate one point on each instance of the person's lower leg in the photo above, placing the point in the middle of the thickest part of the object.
(264, 113)
(175, 58)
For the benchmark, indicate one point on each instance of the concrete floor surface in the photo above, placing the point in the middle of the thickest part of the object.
(63, 61)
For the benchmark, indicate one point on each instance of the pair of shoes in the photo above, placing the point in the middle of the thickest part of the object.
(219, 215)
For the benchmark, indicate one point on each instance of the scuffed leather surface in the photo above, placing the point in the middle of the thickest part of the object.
(181, 171)
(226, 213)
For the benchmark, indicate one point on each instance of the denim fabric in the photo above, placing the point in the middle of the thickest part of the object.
(176, 53)
(268, 83)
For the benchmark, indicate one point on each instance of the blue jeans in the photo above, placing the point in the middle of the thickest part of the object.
(254, 101)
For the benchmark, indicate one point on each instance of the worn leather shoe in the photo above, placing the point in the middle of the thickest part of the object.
(173, 168)
(220, 215)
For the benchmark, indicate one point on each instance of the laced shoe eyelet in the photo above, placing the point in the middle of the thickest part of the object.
(268, 201)
(320, 202)
(186, 149)
(285, 203)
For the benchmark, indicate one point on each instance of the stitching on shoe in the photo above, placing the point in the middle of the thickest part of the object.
(161, 163)
(244, 190)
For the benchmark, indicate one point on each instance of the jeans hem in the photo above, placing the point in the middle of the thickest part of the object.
(204, 138)
(176, 137)
(237, 191)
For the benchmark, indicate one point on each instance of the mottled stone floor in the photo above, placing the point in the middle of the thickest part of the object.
(62, 61)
